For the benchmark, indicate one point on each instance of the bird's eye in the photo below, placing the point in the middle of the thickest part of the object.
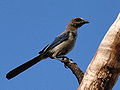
(77, 19)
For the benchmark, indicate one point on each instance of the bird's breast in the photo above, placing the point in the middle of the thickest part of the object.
(64, 47)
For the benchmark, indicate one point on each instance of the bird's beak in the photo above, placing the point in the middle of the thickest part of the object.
(85, 21)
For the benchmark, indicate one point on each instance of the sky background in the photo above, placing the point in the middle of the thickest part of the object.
(26, 26)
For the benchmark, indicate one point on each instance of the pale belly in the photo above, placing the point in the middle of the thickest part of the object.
(63, 48)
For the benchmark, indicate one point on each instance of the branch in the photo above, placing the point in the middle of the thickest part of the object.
(74, 68)
(103, 71)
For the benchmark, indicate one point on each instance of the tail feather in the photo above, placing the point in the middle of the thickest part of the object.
(24, 66)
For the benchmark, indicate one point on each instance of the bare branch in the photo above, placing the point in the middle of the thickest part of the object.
(74, 68)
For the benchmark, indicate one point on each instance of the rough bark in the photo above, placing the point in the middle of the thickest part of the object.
(103, 71)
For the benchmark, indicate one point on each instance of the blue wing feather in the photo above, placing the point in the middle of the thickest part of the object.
(56, 42)
(59, 40)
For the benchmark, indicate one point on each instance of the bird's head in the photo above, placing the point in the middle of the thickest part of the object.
(76, 23)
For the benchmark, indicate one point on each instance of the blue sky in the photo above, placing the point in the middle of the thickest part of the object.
(26, 26)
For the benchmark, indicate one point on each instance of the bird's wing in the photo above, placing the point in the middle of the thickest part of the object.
(59, 40)
(56, 42)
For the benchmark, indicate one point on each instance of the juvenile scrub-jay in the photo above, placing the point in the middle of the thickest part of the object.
(62, 44)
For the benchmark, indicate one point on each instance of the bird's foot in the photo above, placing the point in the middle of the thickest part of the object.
(65, 60)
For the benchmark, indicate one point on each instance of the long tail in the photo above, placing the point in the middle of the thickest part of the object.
(24, 66)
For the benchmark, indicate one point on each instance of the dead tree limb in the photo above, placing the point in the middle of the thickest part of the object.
(74, 68)
(103, 71)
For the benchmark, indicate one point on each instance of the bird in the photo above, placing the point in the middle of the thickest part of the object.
(58, 49)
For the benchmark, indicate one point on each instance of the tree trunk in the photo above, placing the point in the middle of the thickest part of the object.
(103, 71)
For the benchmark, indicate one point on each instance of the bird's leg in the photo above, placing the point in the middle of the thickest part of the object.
(59, 59)
(66, 61)
(63, 60)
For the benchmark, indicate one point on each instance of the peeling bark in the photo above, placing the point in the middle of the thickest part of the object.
(103, 71)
